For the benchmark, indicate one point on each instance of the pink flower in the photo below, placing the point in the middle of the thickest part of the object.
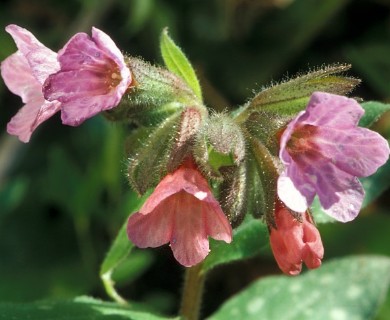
(24, 72)
(323, 152)
(93, 77)
(183, 212)
(294, 242)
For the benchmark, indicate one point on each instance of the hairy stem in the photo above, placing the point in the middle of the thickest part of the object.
(192, 293)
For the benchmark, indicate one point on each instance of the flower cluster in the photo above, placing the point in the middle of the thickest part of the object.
(266, 158)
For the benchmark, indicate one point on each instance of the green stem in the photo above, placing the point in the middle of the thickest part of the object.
(109, 285)
(192, 293)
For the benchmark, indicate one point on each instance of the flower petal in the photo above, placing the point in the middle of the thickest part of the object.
(358, 151)
(217, 225)
(41, 59)
(342, 196)
(17, 76)
(151, 230)
(296, 187)
(24, 39)
(43, 62)
(325, 109)
(105, 43)
(189, 241)
(185, 178)
(30, 117)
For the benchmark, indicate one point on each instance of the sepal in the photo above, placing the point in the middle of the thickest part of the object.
(290, 97)
(220, 143)
(164, 149)
(262, 174)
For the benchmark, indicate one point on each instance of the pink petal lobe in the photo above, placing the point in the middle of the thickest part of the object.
(189, 241)
(24, 39)
(151, 230)
(16, 74)
(296, 196)
(43, 62)
(41, 59)
(358, 151)
(186, 178)
(325, 109)
(217, 225)
(105, 43)
(18, 77)
(30, 116)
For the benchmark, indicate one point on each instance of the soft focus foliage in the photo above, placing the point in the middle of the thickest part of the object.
(64, 196)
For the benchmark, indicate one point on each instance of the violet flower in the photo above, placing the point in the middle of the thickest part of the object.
(24, 73)
(183, 212)
(93, 77)
(323, 152)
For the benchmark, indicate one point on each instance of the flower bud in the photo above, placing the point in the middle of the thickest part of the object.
(294, 239)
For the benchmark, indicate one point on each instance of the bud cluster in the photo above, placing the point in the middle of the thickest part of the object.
(269, 158)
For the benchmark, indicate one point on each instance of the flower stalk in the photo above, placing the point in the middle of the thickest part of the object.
(192, 292)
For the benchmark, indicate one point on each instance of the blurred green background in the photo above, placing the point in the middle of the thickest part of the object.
(64, 196)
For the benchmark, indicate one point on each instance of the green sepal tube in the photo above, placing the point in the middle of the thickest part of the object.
(263, 174)
(233, 193)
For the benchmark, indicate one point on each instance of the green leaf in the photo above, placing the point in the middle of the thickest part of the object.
(290, 97)
(118, 251)
(376, 184)
(177, 62)
(373, 112)
(351, 288)
(81, 308)
(249, 239)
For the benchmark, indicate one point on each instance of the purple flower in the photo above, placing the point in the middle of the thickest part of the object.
(93, 77)
(24, 73)
(323, 152)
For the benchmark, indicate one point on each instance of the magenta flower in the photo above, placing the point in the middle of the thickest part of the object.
(294, 242)
(93, 77)
(183, 212)
(323, 152)
(24, 73)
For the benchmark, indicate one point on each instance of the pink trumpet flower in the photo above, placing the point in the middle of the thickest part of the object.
(183, 212)
(24, 73)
